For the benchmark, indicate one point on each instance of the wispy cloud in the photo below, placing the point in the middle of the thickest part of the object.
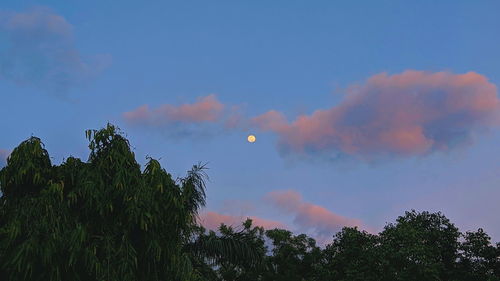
(311, 218)
(205, 109)
(41, 52)
(303, 217)
(212, 220)
(204, 117)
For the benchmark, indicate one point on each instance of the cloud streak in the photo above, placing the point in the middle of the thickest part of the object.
(304, 217)
(309, 217)
(212, 220)
(41, 52)
(204, 117)
(205, 109)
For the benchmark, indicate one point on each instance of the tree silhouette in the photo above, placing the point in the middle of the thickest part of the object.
(103, 219)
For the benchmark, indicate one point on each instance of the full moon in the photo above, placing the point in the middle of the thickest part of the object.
(251, 138)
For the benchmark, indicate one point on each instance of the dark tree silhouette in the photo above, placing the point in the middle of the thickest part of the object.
(103, 219)
(353, 255)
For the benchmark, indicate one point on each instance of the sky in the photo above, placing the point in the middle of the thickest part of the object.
(362, 110)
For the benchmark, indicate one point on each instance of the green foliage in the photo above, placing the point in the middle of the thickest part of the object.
(295, 257)
(237, 255)
(479, 259)
(353, 255)
(420, 246)
(28, 171)
(103, 219)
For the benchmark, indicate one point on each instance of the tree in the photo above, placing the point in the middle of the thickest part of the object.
(249, 262)
(479, 260)
(294, 257)
(420, 246)
(353, 255)
(103, 219)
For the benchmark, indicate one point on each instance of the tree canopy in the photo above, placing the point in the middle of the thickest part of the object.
(103, 219)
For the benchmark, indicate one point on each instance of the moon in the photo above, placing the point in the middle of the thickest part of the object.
(251, 138)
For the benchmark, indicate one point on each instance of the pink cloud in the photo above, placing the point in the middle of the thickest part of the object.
(270, 121)
(411, 113)
(212, 220)
(205, 109)
(408, 114)
(308, 216)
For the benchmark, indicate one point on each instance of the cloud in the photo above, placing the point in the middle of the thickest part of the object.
(3, 157)
(270, 121)
(41, 52)
(309, 217)
(412, 113)
(313, 220)
(205, 109)
(205, 117)
(409, 114)
(212, 220)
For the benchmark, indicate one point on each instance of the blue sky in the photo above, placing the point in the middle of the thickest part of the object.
(81, 64)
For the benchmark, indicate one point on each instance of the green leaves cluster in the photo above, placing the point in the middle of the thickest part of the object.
(103, 219)
(418, 246)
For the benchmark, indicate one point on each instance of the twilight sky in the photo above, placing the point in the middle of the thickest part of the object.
(362, 109)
